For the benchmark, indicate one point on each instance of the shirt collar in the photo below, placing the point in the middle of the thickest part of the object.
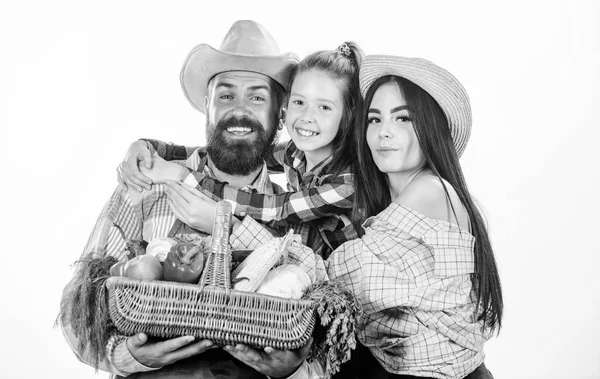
(299, 161)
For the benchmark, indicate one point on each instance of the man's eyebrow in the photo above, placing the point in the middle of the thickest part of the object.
(259, 87)
(224, 84)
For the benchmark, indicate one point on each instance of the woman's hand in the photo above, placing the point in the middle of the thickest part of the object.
(272, 362)
(128, 172)
(191, 206)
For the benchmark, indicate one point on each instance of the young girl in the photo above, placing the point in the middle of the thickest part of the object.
(323, 96)
(424, 267)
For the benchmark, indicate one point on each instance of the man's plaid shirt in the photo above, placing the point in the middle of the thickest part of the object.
(147, 216)
(317, 205)
(412, 274)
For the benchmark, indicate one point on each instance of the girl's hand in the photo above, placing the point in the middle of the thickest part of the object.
(271, 362)
(162, 170)
(128, 172)
(191, 206)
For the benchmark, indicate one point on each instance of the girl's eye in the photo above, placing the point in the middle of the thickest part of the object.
(226, 97)
(373, 120)
(257, 98)
(325, 107)
(298, 102)
(403, 118)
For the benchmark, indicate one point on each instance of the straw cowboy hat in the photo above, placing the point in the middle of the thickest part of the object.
(248, 46)
(439, 83)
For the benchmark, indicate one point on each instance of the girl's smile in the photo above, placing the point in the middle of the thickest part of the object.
(314, 113)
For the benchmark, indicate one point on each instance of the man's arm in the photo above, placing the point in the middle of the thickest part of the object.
(123, 356)
(116, 360)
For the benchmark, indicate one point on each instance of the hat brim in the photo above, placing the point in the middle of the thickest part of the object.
(204, 62)
(439, 83)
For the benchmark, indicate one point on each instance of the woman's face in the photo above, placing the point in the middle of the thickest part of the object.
(390, 133)
(314, 113)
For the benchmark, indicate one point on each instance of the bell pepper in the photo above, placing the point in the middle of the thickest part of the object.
(118, 269)
(184, 263)
(133, 247)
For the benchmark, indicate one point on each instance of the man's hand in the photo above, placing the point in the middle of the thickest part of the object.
(128, 172)
(271, 362)
(163, 353)
(191, 206)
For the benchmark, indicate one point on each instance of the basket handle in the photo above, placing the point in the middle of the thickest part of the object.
(217, 270)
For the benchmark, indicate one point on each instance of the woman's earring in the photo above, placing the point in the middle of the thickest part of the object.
(281, 124)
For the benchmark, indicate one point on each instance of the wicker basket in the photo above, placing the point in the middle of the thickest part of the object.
(212, 309)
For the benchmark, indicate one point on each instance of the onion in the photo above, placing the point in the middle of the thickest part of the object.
(159, 247)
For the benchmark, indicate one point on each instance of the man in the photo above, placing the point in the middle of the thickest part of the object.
(241, 88)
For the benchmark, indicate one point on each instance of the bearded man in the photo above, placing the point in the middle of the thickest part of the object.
(241, 88)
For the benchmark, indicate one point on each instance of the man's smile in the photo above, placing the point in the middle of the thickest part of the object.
(239, 130)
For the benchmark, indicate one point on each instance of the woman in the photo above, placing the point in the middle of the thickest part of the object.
(424, 267)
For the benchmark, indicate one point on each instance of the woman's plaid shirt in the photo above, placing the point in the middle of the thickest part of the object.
(412, 274)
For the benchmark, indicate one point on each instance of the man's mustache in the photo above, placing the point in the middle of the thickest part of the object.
(244, 121)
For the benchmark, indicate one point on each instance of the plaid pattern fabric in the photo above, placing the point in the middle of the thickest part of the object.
(318, 206)
(147, 215)
(412, 274)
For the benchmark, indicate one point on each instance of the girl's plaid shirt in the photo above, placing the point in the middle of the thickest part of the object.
(318, 205)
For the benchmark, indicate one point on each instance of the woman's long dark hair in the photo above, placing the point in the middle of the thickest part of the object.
(373, 192)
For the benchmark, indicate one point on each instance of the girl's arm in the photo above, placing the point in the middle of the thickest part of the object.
(171, 152)
(334, 197)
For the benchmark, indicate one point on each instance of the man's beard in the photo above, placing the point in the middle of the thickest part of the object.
(239, 157)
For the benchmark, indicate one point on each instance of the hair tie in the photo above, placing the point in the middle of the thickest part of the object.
(345, 49)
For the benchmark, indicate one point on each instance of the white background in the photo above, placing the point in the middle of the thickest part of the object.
(79, 81)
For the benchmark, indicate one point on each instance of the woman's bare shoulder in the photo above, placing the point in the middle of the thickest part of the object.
(426, 195)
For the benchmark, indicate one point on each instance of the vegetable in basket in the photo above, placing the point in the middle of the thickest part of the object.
(288, 281)
(252, 271)
(340, 315)
(160, 247)
(184, 263)
(143, 267)
(134, 247)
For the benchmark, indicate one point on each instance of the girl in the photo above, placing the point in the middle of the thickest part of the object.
(424, 267)
(323, 96)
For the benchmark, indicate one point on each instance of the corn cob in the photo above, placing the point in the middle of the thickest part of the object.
(251, 272)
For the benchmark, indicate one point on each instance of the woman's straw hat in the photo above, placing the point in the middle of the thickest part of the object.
(248, 46)
(439, 83)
